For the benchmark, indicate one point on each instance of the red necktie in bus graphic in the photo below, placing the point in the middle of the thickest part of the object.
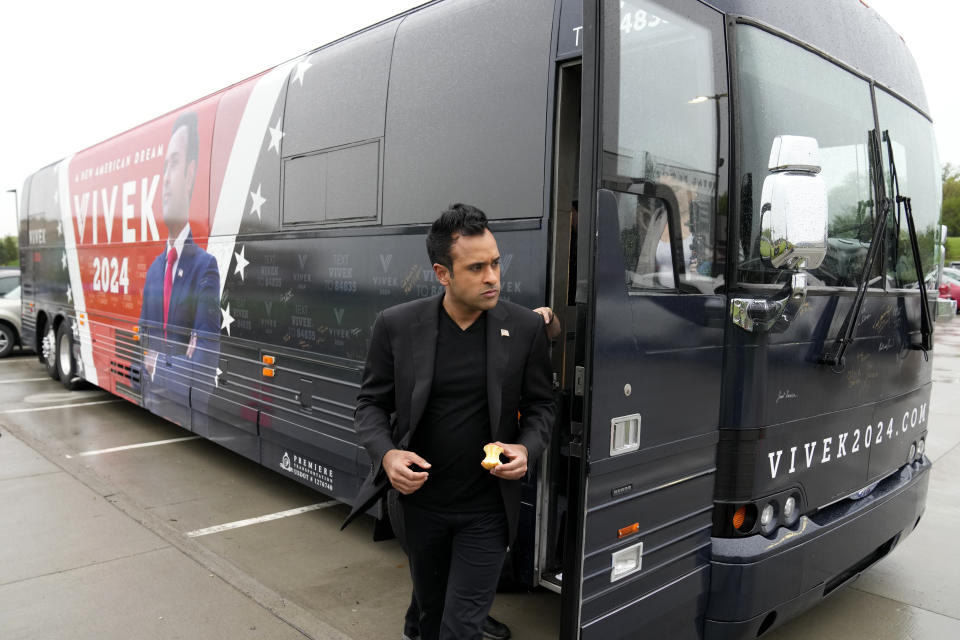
(168, 286)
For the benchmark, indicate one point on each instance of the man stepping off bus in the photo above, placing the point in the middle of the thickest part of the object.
(456, 370)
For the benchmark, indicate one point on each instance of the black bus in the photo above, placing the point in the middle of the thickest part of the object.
(729, 204)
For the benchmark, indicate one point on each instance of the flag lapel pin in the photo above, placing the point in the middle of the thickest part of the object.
(504, 333)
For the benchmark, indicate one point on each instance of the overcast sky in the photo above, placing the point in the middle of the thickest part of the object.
(75, 73)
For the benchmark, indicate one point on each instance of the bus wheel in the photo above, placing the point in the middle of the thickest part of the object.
(48, 353)
(66, 363)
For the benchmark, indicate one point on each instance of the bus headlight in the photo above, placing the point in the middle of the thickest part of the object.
(921, 447)
(913, 452)
(768, 518)
(790, 511)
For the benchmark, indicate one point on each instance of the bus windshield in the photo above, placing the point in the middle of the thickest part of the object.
(787, 90)
(915, 158)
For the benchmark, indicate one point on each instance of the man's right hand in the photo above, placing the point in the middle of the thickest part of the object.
(397, 462)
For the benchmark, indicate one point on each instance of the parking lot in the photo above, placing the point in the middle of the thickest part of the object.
(117, 524)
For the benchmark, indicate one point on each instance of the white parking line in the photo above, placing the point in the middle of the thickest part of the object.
(272, 516)
(61, 406)
(97, 452)
(19, 380)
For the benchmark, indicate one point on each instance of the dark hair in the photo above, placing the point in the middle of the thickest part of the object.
(459, 219)
(188, 119)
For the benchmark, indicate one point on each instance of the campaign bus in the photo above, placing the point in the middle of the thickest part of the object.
(728, 203)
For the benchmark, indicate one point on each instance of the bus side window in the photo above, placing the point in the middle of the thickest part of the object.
(643, 226)
(333, 131)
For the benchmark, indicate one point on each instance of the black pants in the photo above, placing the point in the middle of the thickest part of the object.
(455, 562)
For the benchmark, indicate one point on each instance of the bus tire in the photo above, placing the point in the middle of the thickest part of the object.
(48, 352)
(65, 362)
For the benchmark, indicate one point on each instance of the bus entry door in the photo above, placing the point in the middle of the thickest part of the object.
(650, 435)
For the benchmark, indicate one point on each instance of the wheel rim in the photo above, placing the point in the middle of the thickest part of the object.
(48, 350)
(65, 356)
(4, 340)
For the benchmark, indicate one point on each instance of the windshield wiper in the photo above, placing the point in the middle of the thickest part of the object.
(926, 324)
(833, 355)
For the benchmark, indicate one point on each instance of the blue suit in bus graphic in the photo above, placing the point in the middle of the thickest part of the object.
(180, 312)
(185, 350)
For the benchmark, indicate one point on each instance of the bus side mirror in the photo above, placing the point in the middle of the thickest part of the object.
(793, 208)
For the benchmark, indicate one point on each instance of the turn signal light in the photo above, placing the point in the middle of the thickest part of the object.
(268, 372)
(739, 517)
(626, 531)
(269, 360)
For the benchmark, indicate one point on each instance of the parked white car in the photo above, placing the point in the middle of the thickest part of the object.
(9, 279)
(9, 321)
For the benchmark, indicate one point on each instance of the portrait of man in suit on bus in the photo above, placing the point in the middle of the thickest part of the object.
(180, 311)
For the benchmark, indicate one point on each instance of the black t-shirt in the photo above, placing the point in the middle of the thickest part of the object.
(456, 424)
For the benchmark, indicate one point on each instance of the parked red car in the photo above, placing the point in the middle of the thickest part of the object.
(950, 287)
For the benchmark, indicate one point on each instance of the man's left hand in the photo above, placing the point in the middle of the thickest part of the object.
(516, 468)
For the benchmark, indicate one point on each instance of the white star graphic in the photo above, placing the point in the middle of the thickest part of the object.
(258, 201)
(227, 319)
(216, 378)
(242, 263)
(63, 260)
(275, 136)
(301, 69)
(69, 294)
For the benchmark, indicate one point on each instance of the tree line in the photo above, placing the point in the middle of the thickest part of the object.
(951, 199)
(9, 251)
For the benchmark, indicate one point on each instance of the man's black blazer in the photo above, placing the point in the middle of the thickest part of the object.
(399, 373)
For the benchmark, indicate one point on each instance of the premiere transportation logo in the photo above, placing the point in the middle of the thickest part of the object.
(309, 470)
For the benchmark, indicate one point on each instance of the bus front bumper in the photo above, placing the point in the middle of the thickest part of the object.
(758, 583)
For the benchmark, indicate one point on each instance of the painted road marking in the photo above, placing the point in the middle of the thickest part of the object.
(272, 516)
(55, 397)
(25, 380)
(61, 406)
(97, 452)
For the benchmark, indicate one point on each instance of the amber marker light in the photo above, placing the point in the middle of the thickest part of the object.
(739, 517)
(268, 372)
(626, 531)
(136, 333)
(269, 360)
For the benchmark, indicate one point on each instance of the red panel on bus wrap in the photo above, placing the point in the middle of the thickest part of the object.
(118, 193)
